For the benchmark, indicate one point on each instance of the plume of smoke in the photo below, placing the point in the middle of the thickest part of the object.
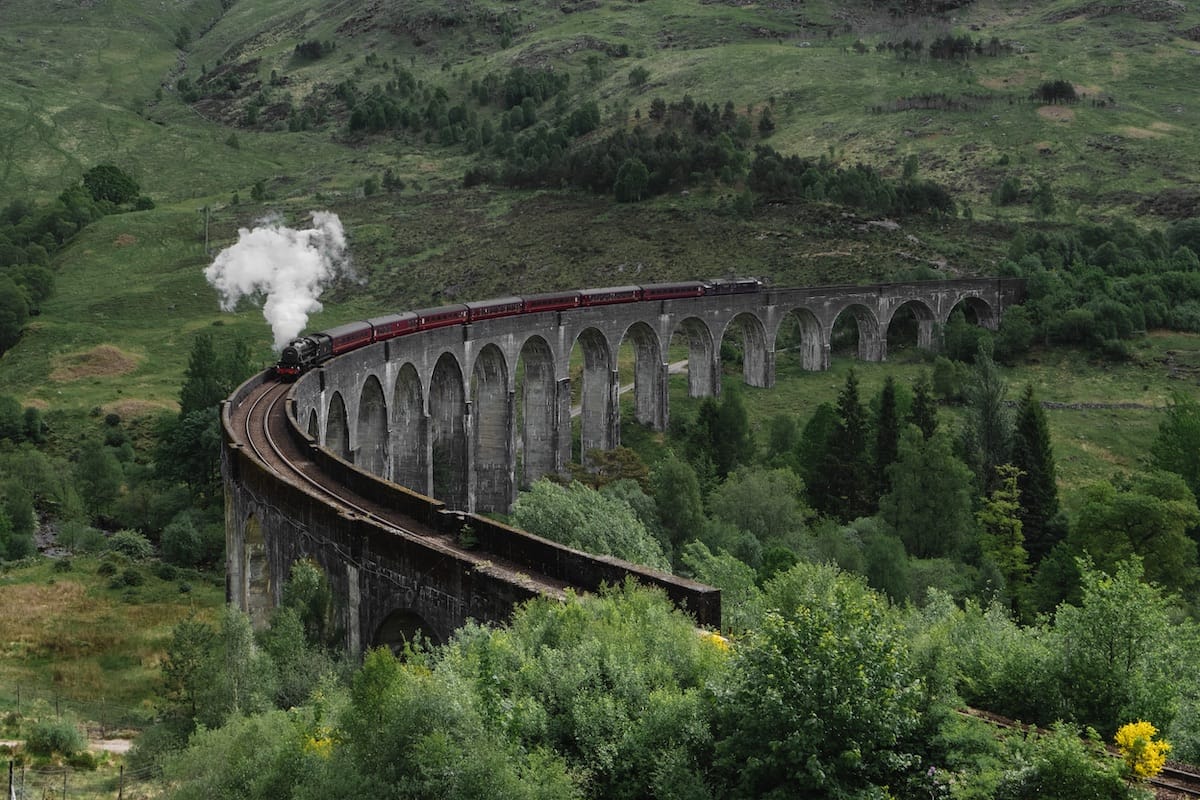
(289, 267)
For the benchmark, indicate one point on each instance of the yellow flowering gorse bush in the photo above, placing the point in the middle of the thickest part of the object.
(1143, 756)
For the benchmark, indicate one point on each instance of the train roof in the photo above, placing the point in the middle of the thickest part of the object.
(552, 295)
(610, 289)
(674, 285)
(495, 301)
(347, 329)
(389, 319)
(425, 312)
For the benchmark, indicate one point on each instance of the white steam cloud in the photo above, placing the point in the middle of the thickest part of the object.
(290, 267)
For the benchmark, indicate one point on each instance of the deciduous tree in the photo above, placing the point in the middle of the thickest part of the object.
(1148, 515)
(109, 182)
(929, 505)
(819, 699)
(14, 311)
(1110, 646)
(1001, 534)
(676, 492)
(584, 518)
(763, 502)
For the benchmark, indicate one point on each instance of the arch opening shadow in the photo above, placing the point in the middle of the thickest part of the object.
(799, 338)
(751, 350)
(976, 311)
(491, 419)
(448, 411)
(409, 457)
(537, 411)
(856, 333)
(401, 627)
(337, 428)
(911, 328)
(372, 452)
(694, 340)
(640, 366)
(597, 401)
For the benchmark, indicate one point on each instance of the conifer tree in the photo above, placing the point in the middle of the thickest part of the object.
(1177, 446)
(846, 465)
(923, 412)
(1034, 457)
(810, 454)
(887, 434)
(987, 430)
(733, 441)
(202, 384)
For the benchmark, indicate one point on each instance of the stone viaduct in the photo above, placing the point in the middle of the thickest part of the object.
(467, 413)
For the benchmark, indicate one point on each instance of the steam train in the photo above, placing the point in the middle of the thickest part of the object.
(307, 351)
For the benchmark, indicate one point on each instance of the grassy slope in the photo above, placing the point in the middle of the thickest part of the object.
(67, 634)
(78, 86)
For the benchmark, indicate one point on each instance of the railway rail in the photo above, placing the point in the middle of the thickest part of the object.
(1175, 782)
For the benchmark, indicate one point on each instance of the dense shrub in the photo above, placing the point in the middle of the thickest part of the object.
(49, 736)
(131, 544)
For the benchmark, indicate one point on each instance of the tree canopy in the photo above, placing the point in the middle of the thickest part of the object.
(109, 182)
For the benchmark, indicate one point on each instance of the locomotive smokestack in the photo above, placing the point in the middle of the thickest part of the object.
(290, 267)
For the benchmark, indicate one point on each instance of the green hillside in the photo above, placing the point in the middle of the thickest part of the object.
(271, 87)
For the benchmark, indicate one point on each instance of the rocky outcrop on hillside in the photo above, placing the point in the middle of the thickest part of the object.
(1146, 10)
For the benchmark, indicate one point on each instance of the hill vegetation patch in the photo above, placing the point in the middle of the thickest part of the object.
(103, 360)
(1057, 113)
(133, 409)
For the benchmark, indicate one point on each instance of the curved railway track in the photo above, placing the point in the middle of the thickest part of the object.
(1175, 782)
(263, 421)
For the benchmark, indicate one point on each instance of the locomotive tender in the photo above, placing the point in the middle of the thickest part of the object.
(306, 352)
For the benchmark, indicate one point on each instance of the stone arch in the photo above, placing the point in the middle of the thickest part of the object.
(256, 573)
(400, 627)
(597, 395)
(372, 439)
(756, 369)
(702, 357)
(538, 407)
(799, 329)
(977, 310)
(649, 376)
(912, 321)
(409, 463)
(491, 421)
(337, 428)
(871, 345)
(448, 432)
(314, 425)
